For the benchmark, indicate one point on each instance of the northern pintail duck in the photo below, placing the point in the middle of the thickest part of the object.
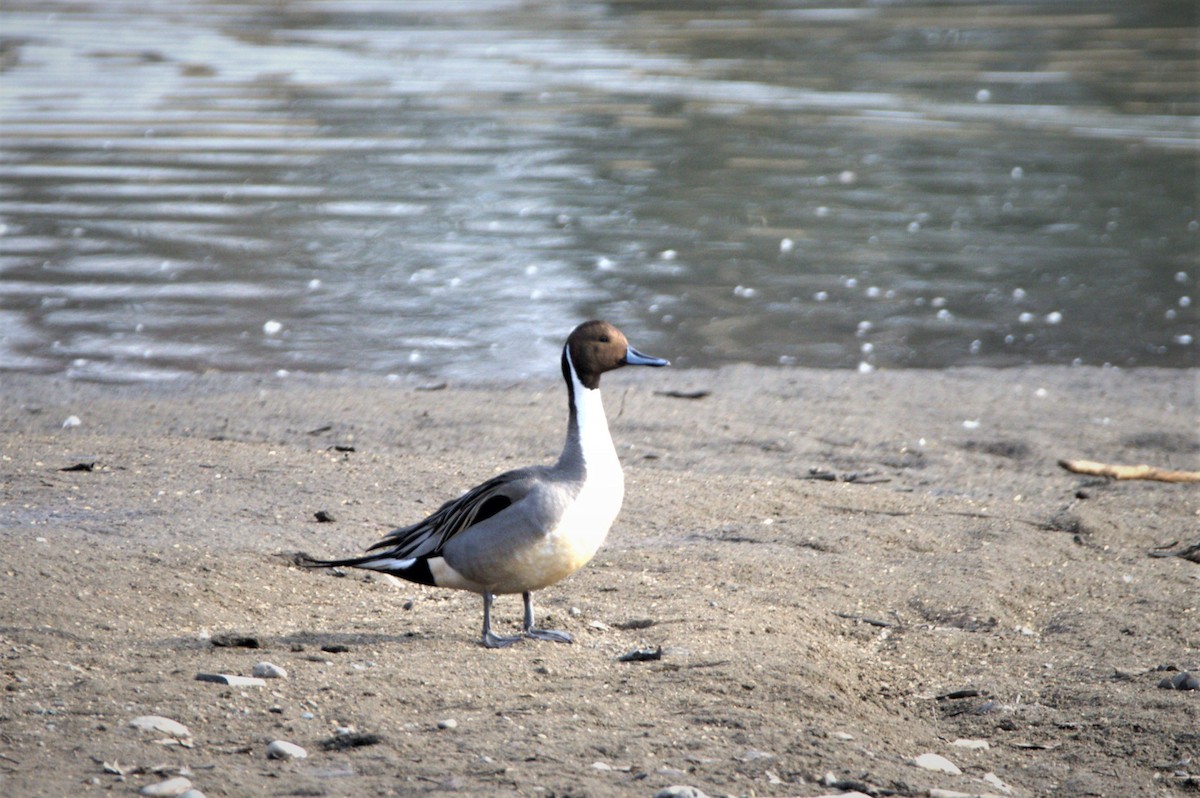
(529, 528)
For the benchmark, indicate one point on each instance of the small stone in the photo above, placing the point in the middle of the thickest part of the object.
(680, 791)
(841, 735)
(193, 793)
(231, 679)
(71, 421)
(938, 763)
(997, 782)
(1180, 681)
(160, 724)
(281, 749)
(448, 723)
(234, 640)
(267, 670)
(975, 745)
(171, 788)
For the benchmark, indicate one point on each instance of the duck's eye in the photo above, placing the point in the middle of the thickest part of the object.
(604, 339)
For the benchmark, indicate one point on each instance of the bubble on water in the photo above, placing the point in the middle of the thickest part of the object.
(983, 96)
(668, 254)
(945, 315)
(1183, 340)
(1181, 277)
(1170, 314)
(919, 301)
(531, 270)
(865, 368)
(914, 227)
(847, 177)
(745, 292)
(821, 296)
(415, 357)
(1017, 173)
(787, 245)
(282, 373)
(850, 282)
(938, 302)
(864, 327)
(1184, 301)
(314, 284)
(867, 348)
(822, 212)
(787, 360)
(1193, 226)
(873, 292)
(1025, 318)
(272, 327)
(1018, 294)
(976, 346)
(1041, 393)
(1010, 340)
(1054, 317)
(605, 264)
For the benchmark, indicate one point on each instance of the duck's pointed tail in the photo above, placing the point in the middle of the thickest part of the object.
(414, 569)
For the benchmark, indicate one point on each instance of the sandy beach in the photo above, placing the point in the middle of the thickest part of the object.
(843, 572)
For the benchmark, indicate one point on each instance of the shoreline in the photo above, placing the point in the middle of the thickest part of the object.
(808, 626)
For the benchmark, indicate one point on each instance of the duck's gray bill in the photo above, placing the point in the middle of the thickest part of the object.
(636, 358)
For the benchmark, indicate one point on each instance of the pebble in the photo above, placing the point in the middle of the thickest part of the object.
(71, 421)
(171, 788)
(267, 670)
(231, 679)
(938, 763)
(680, 791)
(448, 723)
(977, 745)
(193, 793)
(997, 782)
(281, 749)
(160, 724)
(1180, 681)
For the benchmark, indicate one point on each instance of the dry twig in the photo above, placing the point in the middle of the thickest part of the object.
(1128, 472)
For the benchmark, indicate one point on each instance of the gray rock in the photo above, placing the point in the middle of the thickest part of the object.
(448, 723)
(268, 670)
(162, 725)
(938, 763)
(171, 788)
(680, 791)
(231, 679)
(1180, 681)
(281, 749)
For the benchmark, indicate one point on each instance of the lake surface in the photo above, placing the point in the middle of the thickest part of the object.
(448, 187)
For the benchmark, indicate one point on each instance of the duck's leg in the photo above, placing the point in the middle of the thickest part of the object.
(490, 639)
(540, 634)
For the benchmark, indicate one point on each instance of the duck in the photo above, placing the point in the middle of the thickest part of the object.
(531, 527)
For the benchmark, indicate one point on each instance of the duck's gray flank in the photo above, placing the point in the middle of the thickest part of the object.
(531, 527)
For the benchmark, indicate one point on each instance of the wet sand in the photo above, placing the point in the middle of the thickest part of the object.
(816, 635)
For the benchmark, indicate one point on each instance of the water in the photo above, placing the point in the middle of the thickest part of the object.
(448, 187)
